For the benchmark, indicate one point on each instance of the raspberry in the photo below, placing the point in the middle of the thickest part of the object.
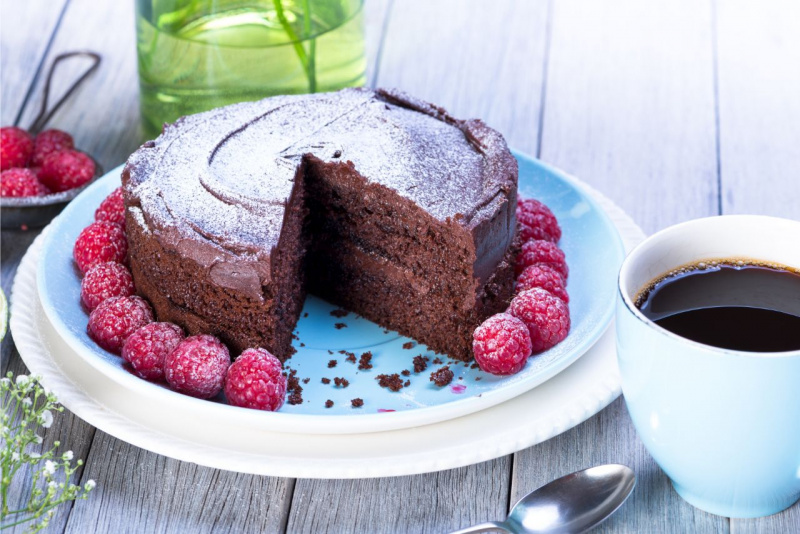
(104, 281)
(536, 221)
(16, 147)
(545, 315)
(147, 348)
(115, 319)
(255, 380)
(539, 251)
(20, 183)
(545, 276)
(50, 141)
(66, 169)
(197, 366)
(501, 344)
(100, 242)
(112, 208)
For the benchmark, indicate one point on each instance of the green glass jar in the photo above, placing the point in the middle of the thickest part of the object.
(195, 55)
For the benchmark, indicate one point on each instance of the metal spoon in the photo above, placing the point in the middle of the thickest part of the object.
(571, 504)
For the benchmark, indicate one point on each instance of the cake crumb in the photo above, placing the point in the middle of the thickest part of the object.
(357, 403)
(437, 361)
(442, 377)
(332, 364)
(330, 351)
(342, 382)
(407, 383)
(408, 345)
(339, 313)
(393, 382)
(478, 378)
(339, 326)
(420, 363)
(302, 344)
(405, 372)
(306, 380)
(364, 362)
(474, 365)
(328, 403)
(351, 357)
(326, 380)
(295, 398)
(305, 314)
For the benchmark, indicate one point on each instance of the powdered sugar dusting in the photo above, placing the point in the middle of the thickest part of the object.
(226, 175)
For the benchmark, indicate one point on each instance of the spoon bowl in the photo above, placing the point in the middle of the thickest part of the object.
(570, 504)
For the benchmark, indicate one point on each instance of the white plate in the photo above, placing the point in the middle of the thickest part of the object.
(190, 434)
(594, 252)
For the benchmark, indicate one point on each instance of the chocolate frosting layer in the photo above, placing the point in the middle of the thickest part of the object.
(214, 186)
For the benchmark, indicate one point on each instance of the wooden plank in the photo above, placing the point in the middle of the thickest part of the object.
(475, 58)
(103, 114)
(376, 17)
(434, 502)
(74, 435)
(138, 491)
(629, 107)
(759, 106)
(609, 437)
(758, 53)
(471, 57)
(25, 32)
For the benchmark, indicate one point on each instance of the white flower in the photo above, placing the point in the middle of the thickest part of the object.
(52, 484)
(37, 438)
(26, 401)
(35, 455)
(49, 467)
(14, 456)
(68, 455)
(22, 380)
(47, 419)
(5, 381)
(90, 484)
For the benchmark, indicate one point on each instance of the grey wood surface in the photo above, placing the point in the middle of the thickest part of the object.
(674, 109)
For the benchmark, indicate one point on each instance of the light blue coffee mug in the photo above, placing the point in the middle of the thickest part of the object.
(724, 425)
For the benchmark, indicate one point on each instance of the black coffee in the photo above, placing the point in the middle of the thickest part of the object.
(733, 306)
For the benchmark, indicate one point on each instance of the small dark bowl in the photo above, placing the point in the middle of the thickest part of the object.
(34, 212)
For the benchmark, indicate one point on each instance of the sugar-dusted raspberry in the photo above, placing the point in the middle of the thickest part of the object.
(545, 276)
(501, 344)
(545, 315)
(100, 242)
(16, 147)
(536, 221)
(541, 251)
(255, 380)
(50, 141)
(66, 169)
(104, 281)
(115, 319)
(197, 366)
(147, 348)
(112, 208)
(20, 183)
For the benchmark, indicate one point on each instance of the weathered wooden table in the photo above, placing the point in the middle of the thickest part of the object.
(675, 109)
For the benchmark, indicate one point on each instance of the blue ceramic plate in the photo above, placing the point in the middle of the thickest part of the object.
(594, 252)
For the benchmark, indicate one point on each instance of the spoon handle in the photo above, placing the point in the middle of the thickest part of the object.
(489, 526)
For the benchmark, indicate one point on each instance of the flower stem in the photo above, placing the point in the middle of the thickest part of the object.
(307, 63)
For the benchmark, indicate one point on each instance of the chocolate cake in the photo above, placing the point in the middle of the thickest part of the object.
(382, 204)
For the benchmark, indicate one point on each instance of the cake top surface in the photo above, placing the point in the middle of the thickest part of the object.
(225, 176)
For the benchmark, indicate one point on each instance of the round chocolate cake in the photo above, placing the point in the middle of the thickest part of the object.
(377, 202)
